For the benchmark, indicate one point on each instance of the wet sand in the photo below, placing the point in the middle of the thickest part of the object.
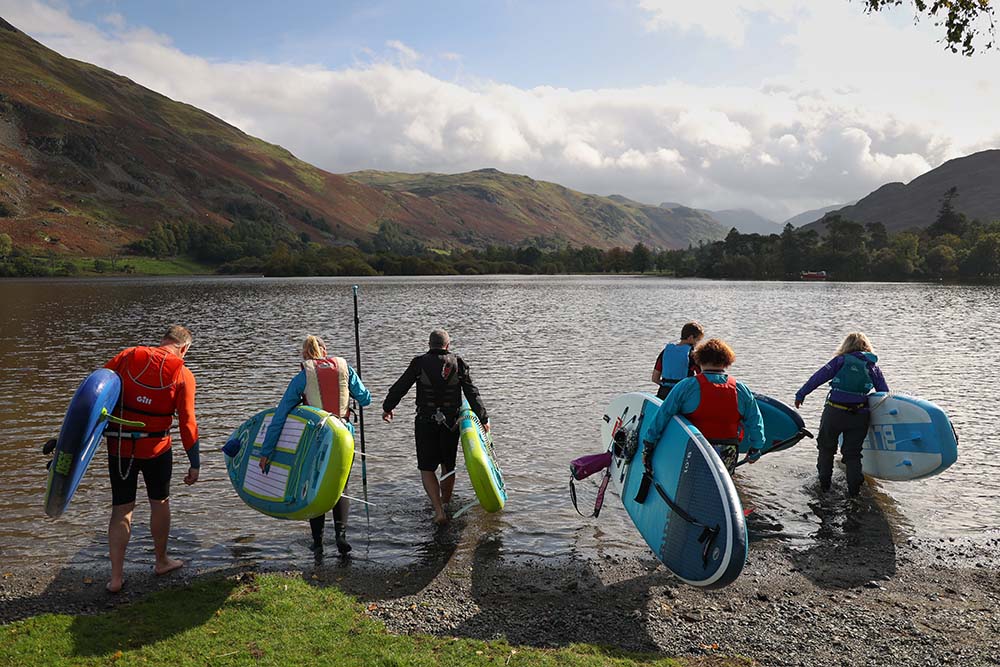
(859, 594)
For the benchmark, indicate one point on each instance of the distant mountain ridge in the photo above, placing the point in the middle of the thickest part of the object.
(514, 206)
(91, 161)
(915, 205)
(813, 215)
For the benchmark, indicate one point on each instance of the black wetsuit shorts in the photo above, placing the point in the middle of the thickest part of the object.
(437, 444)
(125, 479)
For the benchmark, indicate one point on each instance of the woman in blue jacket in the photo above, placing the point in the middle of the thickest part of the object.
(852, 375)
(324, 382)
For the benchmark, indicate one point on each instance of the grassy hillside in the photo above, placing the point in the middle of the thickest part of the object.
(91, 162)
(514, 207)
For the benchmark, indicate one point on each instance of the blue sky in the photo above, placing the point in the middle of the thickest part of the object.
(574, 44)
(775, 105)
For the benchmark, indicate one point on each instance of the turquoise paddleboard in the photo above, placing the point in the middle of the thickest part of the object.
(691, 516)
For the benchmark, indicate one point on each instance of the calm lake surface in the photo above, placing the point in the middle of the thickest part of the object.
(548, 354)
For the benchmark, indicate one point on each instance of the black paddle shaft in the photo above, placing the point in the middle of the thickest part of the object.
(361, 410)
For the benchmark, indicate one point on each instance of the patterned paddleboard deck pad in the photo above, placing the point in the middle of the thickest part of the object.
(908, 438)
(307, 471)
(710, 553)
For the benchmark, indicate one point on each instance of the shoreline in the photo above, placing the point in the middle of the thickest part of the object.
(853, 597)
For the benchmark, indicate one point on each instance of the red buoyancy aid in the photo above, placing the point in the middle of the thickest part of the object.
(149, 378)
(717, 415)
(327, 385)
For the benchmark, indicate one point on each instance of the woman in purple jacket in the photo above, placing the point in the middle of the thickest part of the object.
(852, 375)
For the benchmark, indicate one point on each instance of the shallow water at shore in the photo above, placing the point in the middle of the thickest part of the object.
(548, 355)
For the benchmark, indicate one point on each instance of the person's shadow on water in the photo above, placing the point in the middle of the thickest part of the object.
(549, 605)
(854, 544)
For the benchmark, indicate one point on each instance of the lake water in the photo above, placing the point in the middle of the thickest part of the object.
(548, 354)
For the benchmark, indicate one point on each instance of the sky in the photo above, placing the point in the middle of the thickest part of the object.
(779, 106)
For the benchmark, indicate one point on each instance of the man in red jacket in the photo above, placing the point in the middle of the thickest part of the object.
(155, 386)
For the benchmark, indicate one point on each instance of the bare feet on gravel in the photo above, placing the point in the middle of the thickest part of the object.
(115, 586)
(166, 566)
(440, 519)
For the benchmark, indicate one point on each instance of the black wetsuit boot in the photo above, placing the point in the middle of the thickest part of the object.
(340, 525)
(316, 524)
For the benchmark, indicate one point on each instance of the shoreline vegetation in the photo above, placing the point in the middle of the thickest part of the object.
(232, 620)
(952, 249)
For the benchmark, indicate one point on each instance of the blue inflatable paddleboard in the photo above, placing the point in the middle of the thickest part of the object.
(908, 438)
(691, 516)
(86, 419)
(783, 426)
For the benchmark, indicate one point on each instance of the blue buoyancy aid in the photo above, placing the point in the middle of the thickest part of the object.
(675, 362)
(853, 378)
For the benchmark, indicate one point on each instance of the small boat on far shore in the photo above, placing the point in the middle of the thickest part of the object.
(813, 275)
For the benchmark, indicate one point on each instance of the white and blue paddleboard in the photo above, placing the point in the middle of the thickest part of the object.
(908, 438)
(691, 516)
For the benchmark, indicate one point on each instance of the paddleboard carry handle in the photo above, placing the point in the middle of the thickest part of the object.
(110, 418)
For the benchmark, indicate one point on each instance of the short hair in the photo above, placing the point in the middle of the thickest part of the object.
(439, 339)
(855, 342)
(313, 348)
(178, 335)
(692, 329)
(714, 352)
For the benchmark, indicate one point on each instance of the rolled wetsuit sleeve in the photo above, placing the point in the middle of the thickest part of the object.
(822, 376)
(291, 398)
(682, 399)
(399, 388)
(357, 388)
(878, 380)
(753, 422)
(471, 391)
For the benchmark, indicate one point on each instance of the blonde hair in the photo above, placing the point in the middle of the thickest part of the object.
(855, 342)
(313, 348)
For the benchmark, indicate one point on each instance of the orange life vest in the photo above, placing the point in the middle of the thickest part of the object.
(327, 385)
(717, 415)
(149, 386)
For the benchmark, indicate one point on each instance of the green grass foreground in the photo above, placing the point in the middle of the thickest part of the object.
(267, 620)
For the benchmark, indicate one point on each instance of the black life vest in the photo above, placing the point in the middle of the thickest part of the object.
(439, 386)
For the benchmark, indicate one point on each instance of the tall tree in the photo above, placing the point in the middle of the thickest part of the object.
(967, 23)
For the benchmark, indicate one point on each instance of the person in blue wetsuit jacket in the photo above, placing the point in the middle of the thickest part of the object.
(852, 375)
(328, 383)
(675, 361)
(724, 410)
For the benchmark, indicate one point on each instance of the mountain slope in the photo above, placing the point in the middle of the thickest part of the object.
(916, 204)
(514, 207)
(813, 215)
(91, 161)
(746, 221)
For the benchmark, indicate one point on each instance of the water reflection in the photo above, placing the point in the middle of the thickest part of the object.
(548, 353)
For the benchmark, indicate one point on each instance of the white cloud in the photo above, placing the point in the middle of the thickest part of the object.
(850, 114)
(726, 20)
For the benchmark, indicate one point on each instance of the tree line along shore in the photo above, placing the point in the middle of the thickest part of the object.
(953, 248)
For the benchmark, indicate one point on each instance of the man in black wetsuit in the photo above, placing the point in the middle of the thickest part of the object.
(442, 377)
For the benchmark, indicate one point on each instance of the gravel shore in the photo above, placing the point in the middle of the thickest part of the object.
(859, 594)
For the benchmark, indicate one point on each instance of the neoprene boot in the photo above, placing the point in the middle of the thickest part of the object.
(316, 524)
(340, 529)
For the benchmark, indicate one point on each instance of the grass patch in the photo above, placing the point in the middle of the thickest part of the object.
(267, 620)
